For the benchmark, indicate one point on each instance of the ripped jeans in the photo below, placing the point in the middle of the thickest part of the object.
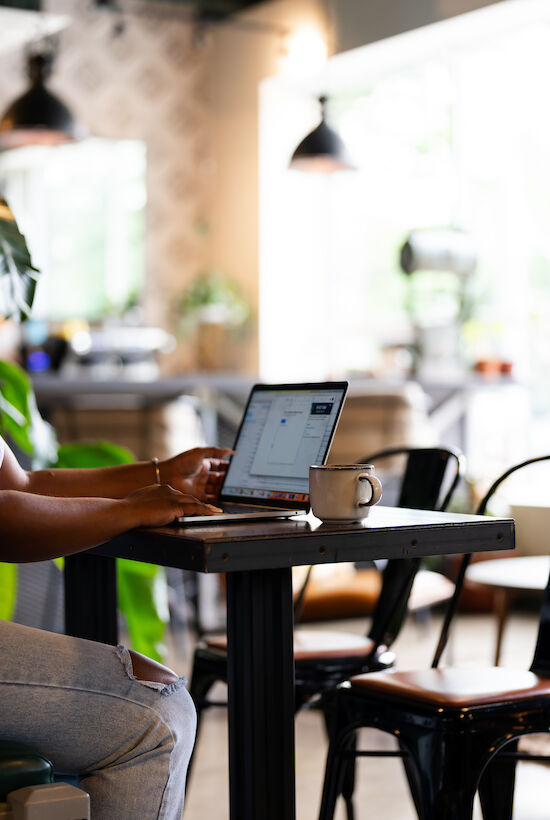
(78, 703)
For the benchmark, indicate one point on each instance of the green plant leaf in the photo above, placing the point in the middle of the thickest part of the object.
(18, 276)
(97, 454)
(15, 419)
(143, 600)
(8, 590)
(20, 419)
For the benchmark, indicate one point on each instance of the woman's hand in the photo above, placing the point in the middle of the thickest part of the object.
(156, 506)
(198, 472)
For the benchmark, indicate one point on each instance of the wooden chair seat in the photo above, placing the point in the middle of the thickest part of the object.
(330, 597)
(312, 644)
(456, 688)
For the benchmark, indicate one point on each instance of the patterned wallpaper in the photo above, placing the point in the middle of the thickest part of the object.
(148, 82)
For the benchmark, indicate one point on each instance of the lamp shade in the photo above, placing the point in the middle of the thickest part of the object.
(38, 117)
(323, 150)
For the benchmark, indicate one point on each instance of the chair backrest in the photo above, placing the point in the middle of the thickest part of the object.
(428, 476)
(542, 652)
(428, 479)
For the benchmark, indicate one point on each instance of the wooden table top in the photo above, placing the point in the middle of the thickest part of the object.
(388, 532)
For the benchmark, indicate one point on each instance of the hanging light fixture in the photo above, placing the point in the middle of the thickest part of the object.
(38, 117)
(323, 150)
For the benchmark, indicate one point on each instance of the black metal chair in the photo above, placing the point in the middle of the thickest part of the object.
(325, 658)
(457, 728)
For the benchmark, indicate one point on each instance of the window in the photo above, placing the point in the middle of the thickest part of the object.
(449, 128)
(82, 209)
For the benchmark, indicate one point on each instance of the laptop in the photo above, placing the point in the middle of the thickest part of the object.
(284, 429)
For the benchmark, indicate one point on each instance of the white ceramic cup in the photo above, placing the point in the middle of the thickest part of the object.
(343, 492)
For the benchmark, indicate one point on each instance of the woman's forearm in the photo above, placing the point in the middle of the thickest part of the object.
(104, 482)
(35, 527)
(198, 472)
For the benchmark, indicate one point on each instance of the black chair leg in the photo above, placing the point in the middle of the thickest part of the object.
(443, 795)
(347, 773)
(496, 788)
(448, 764)
(301, 697)
(348, 781)
(348, 765)
(335, 773)
(200, 685)
(413, 780)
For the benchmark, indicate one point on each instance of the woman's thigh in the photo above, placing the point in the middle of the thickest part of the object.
(79, 704)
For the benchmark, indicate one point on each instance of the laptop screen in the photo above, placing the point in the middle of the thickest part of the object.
(285, 428)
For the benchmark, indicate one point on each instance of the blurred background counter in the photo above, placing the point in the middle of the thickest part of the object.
(165, 415)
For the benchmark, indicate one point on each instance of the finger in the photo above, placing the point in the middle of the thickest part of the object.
(214, 452)
(187, 498)
(215, 476)
(200, 509)
(218, 465)
(211, 494)
(208, 486)
(191, 500)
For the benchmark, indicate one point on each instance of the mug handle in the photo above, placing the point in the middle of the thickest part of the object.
(376, 487)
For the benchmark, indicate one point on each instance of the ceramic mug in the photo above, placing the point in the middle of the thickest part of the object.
(343, 492)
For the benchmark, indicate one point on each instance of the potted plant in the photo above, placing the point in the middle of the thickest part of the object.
(213, 310)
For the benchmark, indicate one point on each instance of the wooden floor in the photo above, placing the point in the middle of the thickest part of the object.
(382, 793)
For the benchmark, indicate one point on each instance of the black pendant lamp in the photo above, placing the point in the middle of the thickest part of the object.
(322, 151)
(38, 117)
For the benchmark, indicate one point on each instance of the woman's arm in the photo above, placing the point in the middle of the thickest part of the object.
(198, 472)
(35, 527)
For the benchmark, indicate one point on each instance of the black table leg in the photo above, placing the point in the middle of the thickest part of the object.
(91, 598)
(261, 695)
